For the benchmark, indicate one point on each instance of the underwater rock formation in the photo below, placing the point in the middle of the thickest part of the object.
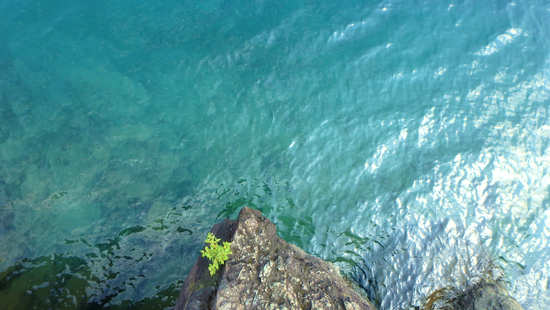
(265, 272)
(487, 294)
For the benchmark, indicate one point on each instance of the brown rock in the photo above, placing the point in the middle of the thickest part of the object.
(265, 272)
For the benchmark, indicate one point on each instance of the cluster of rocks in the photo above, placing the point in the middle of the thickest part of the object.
(265, 272)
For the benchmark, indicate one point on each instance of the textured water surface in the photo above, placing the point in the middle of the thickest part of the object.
(406, 141)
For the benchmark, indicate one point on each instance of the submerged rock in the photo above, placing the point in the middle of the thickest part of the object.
(265, 272)
(487, 294)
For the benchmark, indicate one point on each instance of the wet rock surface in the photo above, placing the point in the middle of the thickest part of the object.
(265, 272)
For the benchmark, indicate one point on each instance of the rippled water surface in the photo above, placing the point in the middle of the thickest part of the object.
(406, 141)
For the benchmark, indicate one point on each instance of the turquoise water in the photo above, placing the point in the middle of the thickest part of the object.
(406, 141)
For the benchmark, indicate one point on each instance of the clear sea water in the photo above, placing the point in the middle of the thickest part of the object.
(405, 141)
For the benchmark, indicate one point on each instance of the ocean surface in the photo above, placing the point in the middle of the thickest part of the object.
(408, 142)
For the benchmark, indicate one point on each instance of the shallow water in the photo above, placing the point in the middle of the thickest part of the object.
(408, 142)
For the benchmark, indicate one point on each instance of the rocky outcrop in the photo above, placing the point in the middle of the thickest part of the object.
(265, 272)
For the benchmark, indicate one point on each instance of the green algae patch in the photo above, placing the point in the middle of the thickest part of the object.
(48, 282)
